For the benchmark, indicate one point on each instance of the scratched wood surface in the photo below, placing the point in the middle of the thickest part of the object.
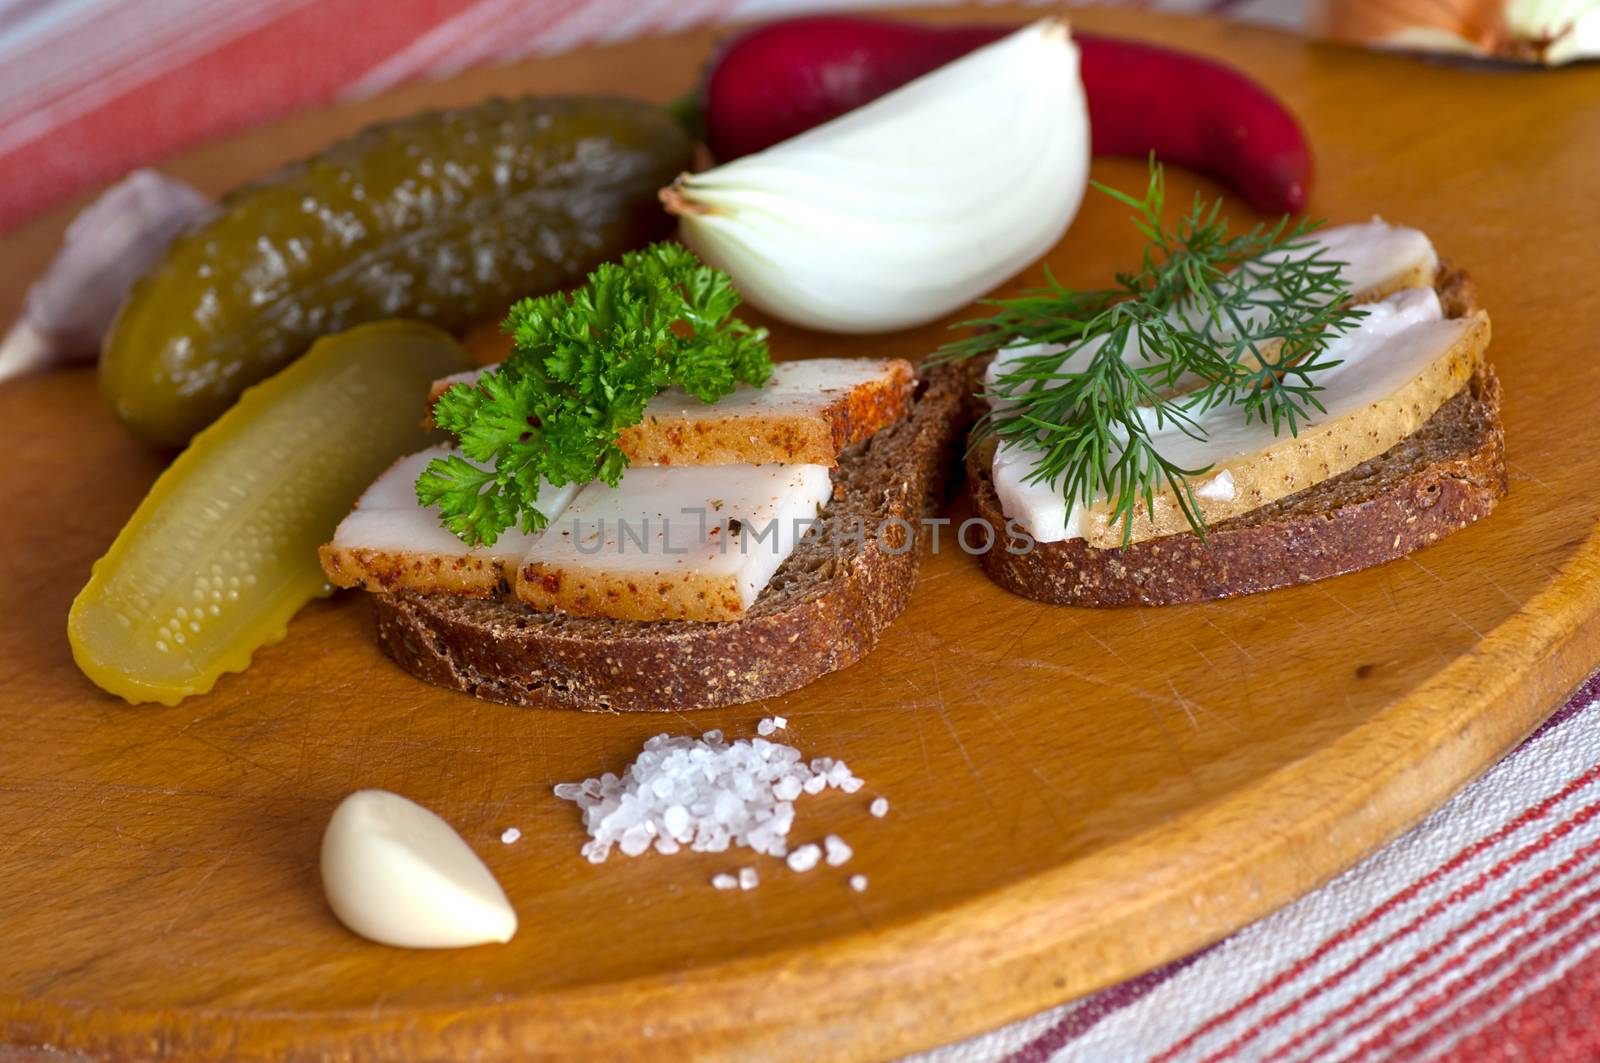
(1077, 795)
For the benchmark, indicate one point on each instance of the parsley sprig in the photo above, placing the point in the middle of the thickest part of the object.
(1208, 319)
(582, 368)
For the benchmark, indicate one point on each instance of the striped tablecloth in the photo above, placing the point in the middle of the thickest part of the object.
(1474, 937)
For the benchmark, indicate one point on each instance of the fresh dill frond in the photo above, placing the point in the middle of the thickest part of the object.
(1208, 319)
(582, 368)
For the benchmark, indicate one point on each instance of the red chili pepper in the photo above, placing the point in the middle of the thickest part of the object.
(774, 81)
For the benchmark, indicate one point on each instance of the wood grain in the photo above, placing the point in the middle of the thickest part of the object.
(1077, 795)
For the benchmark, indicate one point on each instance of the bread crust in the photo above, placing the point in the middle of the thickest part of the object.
(1445, 476)
(825, 609)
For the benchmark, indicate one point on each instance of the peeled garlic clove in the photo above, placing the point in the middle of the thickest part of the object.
(903, 210)
(398, 874)
(107, 247)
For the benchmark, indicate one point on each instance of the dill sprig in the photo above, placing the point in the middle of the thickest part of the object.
(1208, 319)
(582, 368)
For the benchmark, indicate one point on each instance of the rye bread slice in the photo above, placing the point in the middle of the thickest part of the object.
(1446, 475)
(825, 608)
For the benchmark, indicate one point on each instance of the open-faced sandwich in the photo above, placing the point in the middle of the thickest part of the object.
(1320, 404)
(738, 549)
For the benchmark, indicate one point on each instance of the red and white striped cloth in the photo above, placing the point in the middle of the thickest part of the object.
(1475, 937)
(90, 89)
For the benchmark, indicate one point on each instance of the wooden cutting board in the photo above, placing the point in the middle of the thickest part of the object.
(1076, 795)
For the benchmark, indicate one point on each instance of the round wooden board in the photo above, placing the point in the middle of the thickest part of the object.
(1077, 795)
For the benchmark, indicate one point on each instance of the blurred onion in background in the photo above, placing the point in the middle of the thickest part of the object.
(1549, 32)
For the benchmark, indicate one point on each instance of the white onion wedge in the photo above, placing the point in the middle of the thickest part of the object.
(912, 206)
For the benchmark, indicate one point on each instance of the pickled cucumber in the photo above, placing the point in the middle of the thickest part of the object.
(446, 216)
(223, 550)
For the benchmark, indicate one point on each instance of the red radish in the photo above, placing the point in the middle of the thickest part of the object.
(774, 81)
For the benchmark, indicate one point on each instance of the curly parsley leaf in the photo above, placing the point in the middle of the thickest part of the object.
(582, 368)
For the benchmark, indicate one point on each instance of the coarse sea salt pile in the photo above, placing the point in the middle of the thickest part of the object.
(705, 794)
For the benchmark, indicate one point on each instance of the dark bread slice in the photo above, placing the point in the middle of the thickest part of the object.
(825, 608)
(1446, 475)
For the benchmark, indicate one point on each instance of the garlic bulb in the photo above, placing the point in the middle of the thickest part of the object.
(1551, 32)
(108, 245)
(910, 207)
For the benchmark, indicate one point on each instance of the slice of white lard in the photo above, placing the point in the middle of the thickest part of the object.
(390, 541)
(1401, 338)
(806, 412)
(1378, 260)
(691, 542)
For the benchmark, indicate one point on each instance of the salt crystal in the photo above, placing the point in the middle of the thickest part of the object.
(705, 794)
(748, 879)
(724, 881)
(635, 840)
(879, 807)
(765, 728)
(510, 835)
(804, 858)
(851, 785)
(779, 723)
(858, 883)
(676, 819)
(838, 852)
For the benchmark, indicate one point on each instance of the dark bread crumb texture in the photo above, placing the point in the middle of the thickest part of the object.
(1445, 476)
(825, 608)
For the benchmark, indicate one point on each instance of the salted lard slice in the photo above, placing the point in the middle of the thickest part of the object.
(806, 413)
(1396, 368)
(391, 542)
(687, 542)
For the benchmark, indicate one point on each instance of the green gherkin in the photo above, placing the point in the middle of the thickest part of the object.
(446, 216)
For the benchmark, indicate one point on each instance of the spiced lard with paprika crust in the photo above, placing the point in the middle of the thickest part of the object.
(805, 414)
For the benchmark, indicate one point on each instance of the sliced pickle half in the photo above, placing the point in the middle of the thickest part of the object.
(223, 550)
